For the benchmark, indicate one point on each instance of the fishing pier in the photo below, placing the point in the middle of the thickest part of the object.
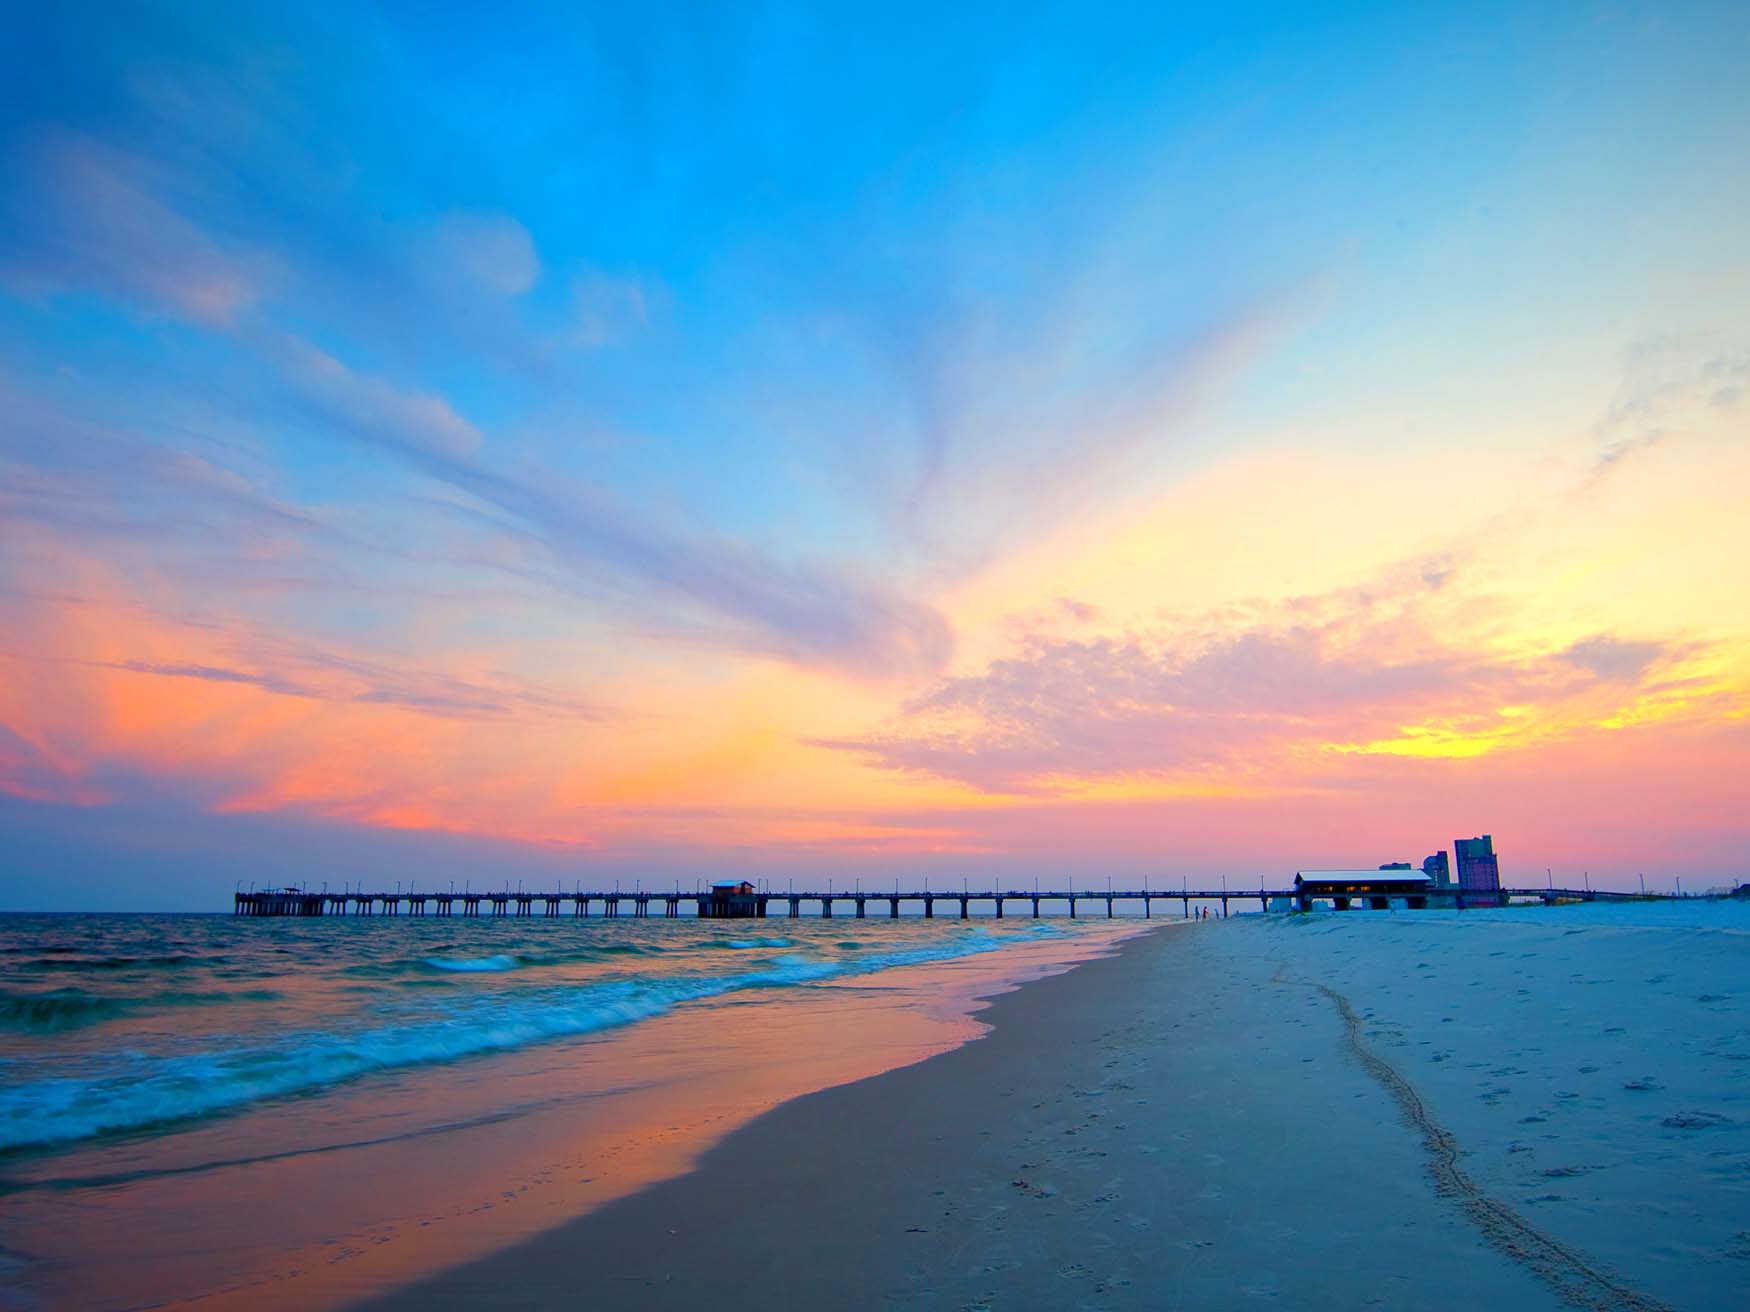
(611, 903)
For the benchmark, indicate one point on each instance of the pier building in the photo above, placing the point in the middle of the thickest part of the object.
(1380, 889)
(732, 901)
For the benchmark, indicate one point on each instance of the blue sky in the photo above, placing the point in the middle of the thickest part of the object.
(560, 370)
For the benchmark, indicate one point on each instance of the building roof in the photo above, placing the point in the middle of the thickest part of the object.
(1360, 876)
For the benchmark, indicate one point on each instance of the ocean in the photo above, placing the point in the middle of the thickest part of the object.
(305, 1112)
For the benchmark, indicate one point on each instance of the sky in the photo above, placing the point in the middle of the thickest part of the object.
(995, 442)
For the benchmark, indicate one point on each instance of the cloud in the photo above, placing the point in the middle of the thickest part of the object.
(798, 612)
(1438, 572)
(84, 478)
(29, 771)
(1610, 658)
(94, 221)
(1359, 672)
(212, 674)
(1116, 706)
(228, 711)
(1022, 443)
(1666, 393)
(104, 228)
(307, 672)
(370, 408)
(607, 308)
(490, 252)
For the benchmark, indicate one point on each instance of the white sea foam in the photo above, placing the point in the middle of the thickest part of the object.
(474, 965)
(136, 1091)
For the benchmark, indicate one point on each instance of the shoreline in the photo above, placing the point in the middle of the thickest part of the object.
(1046, 1163)
(1200, 1120)
(1543, 1106)
(370, 1184)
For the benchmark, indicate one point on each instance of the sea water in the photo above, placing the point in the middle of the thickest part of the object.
(310, 1110)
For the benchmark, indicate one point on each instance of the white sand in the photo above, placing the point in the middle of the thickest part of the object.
(1591, 1063)
(1192, 1124)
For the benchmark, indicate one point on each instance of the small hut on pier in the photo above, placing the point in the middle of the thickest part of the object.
(732, 901)
(1374, 888)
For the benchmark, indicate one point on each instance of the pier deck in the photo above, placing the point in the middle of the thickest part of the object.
(613, 903)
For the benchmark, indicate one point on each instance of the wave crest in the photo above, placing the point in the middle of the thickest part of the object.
(475, 965)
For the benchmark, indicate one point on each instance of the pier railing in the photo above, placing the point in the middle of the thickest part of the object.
(613, 903)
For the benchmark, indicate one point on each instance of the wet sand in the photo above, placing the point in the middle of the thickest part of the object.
(1220, 1115)
(325, 1201)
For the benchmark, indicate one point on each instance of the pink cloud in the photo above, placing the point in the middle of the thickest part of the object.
(1274, 694)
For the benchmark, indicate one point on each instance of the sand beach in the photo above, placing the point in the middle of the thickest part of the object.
(1523, 1108)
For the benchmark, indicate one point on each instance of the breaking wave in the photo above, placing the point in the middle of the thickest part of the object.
(136, 1092)
(475, 965)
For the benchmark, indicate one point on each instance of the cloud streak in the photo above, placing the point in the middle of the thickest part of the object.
(93, 222)
(796, 612)
(106, 229)
(326, 677)
(1667, 393)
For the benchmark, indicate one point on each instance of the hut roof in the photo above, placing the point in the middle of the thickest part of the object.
(1361, 877)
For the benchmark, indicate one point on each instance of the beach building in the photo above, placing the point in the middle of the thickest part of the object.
(732, 901)
(1381, 889)
(1479, 873)
(1438, 871)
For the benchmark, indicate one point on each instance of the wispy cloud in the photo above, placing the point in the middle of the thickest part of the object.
(607, 308)
(92, 221)
(485, 252)
(301, 671)
(1670, 389)
(361, 405)
(795, 611)
(1066, 435)
(212, 674)
(327, 677)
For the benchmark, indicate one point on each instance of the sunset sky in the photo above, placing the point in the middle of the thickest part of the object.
(938, 442)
